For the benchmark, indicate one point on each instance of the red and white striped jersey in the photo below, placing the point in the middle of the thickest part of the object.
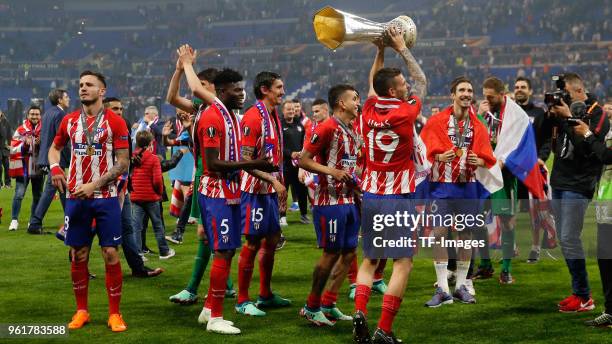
(387, 128)
(253, 135)
(214, 131)
(335, 147)
(111, 134)
(457, 170)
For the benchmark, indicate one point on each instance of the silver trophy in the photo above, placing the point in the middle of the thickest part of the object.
(334, 27)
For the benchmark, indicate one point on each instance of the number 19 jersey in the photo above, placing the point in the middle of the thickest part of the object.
(387, 127)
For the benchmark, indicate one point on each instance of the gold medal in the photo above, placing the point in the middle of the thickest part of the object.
(459, 152)
(90, 150)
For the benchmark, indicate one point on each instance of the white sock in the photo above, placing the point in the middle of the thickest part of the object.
(535, 248)
(462, 270)
(442, 275)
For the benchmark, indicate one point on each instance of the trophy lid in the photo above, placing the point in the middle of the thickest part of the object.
(329, 27)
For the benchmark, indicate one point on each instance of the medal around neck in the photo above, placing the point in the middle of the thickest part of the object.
(334, 27)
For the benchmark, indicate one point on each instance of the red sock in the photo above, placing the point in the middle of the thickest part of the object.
(390, 306)
(362, 296)
(80, 283)
(218, 278)
(114, 282)
(207, 301)
(380, 270)
(329, 299)
(246, 262)
(266, 264)
(313, 302)
(352, 272)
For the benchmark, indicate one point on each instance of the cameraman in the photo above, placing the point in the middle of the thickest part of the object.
(574, 176)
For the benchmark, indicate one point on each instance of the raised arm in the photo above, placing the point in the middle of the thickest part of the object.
(172, 96)
(187, 57)
(378, 64)
(398, 44)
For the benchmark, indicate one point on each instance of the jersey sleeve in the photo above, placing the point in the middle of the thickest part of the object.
(210, 130)
(320, 136)
(61, 136)
(251, 129)
(368, 106)
(120, 132)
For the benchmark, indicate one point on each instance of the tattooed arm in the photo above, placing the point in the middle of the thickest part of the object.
(120, 167)
(248, 153)
(420, 81)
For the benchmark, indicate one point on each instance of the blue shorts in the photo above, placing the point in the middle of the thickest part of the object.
(260, 215)
(221, 222)
(79, 215)
(382, 240)
(337, 226)
(454, 199)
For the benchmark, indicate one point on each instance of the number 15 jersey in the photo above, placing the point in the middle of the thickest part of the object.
(387, 127)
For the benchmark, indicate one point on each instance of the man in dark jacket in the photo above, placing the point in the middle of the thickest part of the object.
(60, 102)
(5, 142)
(543, 131)
(573, 179)
(293, 140)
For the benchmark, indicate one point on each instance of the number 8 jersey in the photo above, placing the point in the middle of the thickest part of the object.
(387, 127)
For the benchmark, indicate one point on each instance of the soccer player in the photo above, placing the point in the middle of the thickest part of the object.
(331, 152)
(504, 201)
(457, 143)
(189, 295)
(261, 195)
(388, 115)
(99, 142)
(219, 192)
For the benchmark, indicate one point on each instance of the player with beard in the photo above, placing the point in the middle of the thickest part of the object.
(262, 193)
(219, 192)
(99, 141)
(388, 114)
(504, 201)
(332, 153)
(457, 143)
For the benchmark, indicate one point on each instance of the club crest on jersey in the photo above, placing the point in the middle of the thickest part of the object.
(256, 225)
(314, 138)
(211, 131)
(246, 131)
(332, 238)
(225, 239)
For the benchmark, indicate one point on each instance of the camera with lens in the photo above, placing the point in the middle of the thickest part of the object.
(554, 98)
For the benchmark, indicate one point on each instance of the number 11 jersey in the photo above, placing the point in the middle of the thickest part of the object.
(387, 130)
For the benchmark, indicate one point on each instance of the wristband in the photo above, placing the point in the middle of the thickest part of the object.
(587, 134)
(56, 170)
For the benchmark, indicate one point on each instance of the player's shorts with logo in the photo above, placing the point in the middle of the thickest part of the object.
(79, 215)
(336, 226)
(260, 216)
(221, 222)
(504, 201)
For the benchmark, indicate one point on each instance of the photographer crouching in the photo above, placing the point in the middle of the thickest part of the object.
(574, 176)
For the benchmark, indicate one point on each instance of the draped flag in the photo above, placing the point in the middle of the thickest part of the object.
(436, 139)
(516, 147)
